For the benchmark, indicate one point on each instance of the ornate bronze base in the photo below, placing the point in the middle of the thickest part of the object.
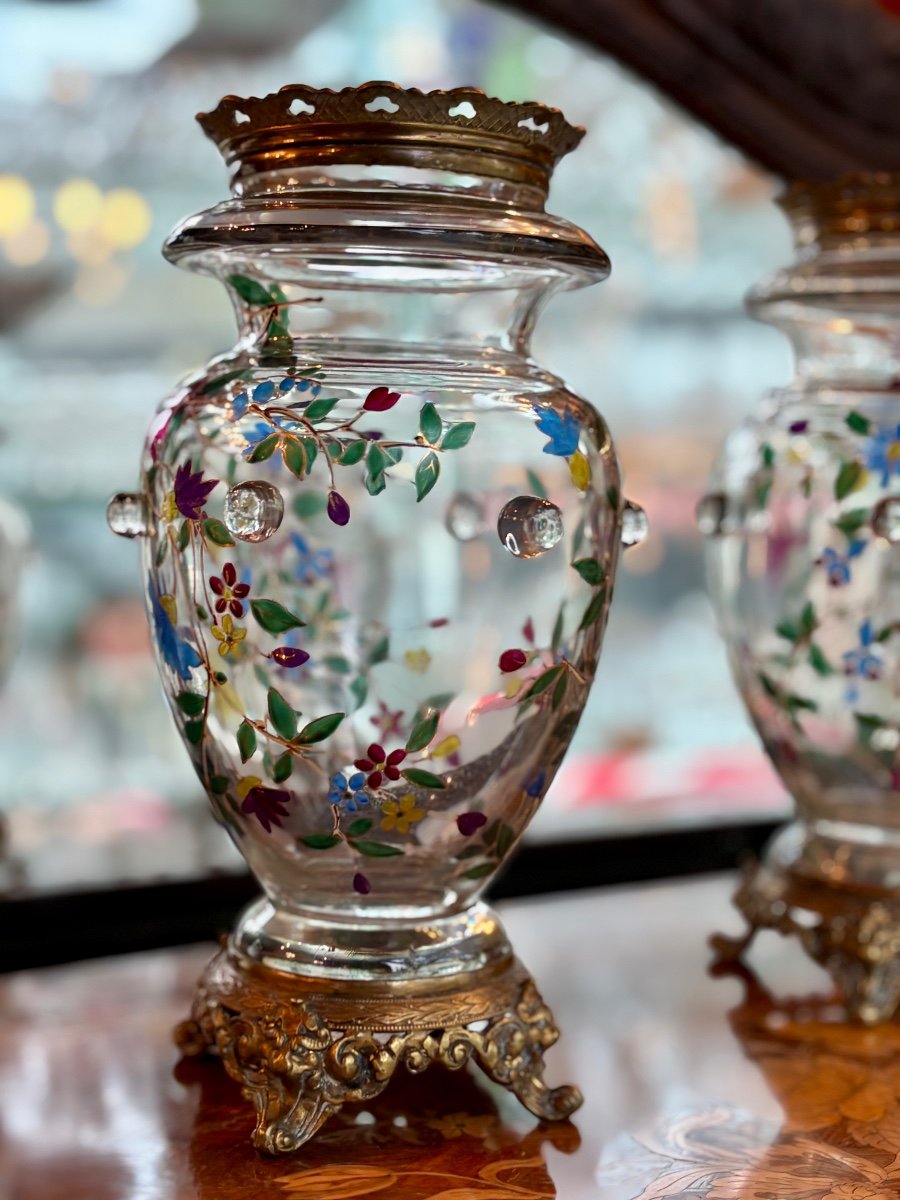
(301, 1046)
(853, 933)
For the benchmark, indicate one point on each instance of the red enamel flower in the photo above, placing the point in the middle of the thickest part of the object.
(380, 399)
(230, 593)
(379, 764)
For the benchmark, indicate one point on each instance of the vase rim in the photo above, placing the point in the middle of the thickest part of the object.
(380, 123)
(854, 205)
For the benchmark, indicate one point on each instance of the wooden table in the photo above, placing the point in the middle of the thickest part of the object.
(693, 1085)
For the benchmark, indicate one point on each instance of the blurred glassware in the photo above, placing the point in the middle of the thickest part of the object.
(803, 527)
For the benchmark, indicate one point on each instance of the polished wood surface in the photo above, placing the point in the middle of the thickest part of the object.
(696, 1084)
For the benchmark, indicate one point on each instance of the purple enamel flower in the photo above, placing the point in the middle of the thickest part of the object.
(338, 509)
(268, 805)
(192, 491)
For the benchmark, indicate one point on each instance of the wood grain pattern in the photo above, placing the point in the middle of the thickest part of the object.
(691, 1081)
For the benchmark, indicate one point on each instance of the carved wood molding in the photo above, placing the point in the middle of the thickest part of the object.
(808, 88)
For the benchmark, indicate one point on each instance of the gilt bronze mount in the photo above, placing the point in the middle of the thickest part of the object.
(301, 1047)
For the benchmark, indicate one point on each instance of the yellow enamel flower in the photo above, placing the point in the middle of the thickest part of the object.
(246, 784)
(228, 635)
(580, 470)
(400, 814)
(417, 660)
(169, 508)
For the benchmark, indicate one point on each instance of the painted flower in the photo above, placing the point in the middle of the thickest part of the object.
(348, 793)
(378, 764)
(361, 884)
(883, 453)
(239, 405)
(312, 564)
(861, 662)
(192, 491)
(837, 565)
(389, 723)
(267, 804)
(380, 399)
(562, 429)
(534, 785)
(470, 822)
(178, 655)
(289, 656)
(228, 635)
(400, 814)
(229, 592)
(169, 508)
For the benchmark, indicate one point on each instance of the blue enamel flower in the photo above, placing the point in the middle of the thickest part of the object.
(861, 662)
(562, 429)
(883, 453)
(312, 564)
(178, 655)
(837, 565)
(239, 405)
(348, 792)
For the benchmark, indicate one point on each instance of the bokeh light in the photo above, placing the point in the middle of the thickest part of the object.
(126, 218)
(77, 205)
(16, 204)
(29, 245)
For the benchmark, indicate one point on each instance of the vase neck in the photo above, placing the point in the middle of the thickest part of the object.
(839, 302)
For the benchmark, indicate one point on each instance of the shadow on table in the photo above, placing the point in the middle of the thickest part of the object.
(438, 1135)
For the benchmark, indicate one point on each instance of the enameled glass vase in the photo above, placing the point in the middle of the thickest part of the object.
(804, 562)
(379, 545)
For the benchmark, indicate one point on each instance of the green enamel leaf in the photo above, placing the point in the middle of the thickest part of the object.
(375, 461)
(375, 484)
(264, 449)
(359, 689)
(191, 703)
(282, 716)
(246, 740)
(184, 536)
(430, 424)
(334, 662)
(319, 409)
(218, 785)
(423, 733)
(557, 629)
(479, 872)
(794, 702)
(458, 436)
(590, 571)
(294, 455)
(808, 618)
(763, 491)
(379, 652)
(360, 827)
(858, 423)
(193, 731)
(274, 617)
(423, 779)
(866, 725)
(162, 551)
(309, 504)
(377, 849)
(352, 454)
(767, 454)
(320, 841)
(818, 661)
(537, 487)
(505, 838)
(544, 681)
(217, 533)
(559, 692)
(250, 290)
(202, 613)
(851, 476)
(282, 767)
(594, 610)
(392, 455)
(318, 730)
(470, 852)
(789, 630)
(427, 473)
(220, 381)
(851, 522)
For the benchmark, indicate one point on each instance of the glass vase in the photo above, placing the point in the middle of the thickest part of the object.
(379, 544)
(804, 568)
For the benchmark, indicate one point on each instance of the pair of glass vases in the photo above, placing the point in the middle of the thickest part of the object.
(379, 545)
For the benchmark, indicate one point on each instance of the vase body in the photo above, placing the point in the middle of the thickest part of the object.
(804, 540)
(378, 544)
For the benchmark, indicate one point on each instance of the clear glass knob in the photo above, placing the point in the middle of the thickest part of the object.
(635, 525)
(126, 514)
